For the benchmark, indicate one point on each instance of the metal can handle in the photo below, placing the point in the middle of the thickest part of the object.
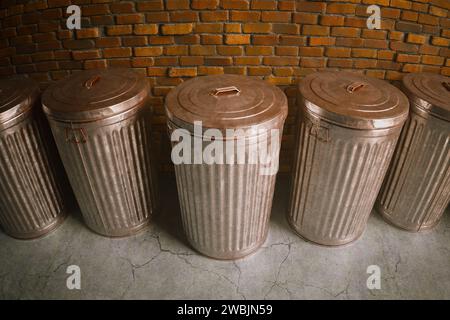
(351, 88)
(72, 136)
(225, 91)
(446, 85)
(91, 82)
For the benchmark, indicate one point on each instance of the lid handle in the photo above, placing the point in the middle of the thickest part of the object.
(446, 85)
(91, 82)
(355, 86)
(225, 91)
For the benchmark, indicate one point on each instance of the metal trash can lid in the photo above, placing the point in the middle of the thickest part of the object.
(94, 95)
(17, 95)
(227, 102)
(353, 100)
(429, 92)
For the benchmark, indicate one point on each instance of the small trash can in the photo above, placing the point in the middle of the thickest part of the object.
(416, 189)
(32, 180)
(348, 127)
(226, 194)
(101, 124)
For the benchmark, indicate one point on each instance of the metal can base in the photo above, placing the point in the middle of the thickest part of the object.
(123, 233)
(421, 229)
(340, 244)
(234, 255)
(41, 232)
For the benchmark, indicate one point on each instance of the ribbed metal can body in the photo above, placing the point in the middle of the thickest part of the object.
(32, 180)
(336, 177)
(416, 190)
(348, 127)
(109, 166)
(225, 208)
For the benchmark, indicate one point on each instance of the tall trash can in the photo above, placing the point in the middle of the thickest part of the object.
(101, 123)
(348, 127)
(416, 189)
(226, 204)
(32, 180)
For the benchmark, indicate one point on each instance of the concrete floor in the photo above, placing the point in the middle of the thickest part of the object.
(158, 264)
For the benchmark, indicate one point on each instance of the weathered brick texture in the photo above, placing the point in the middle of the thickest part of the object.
(173, 40)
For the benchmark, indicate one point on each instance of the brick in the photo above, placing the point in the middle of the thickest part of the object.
(340, 63)
(434, 60)
(218, 61)
(102, 20)
(427, 49)
(404, 47)
(375, 43)
(230, 50)
(428, 19)
(154, 5)
(140, 29)
(355, 22)
(365, 63)
(308, 6)
(410, 15)
(322, 41)
(385, 54)
(305, 18)
(390, 13)
(259, 71)
(157, 17)
(116, 52)
(315, 30)
(177, 4)
(286, 51)
(233, 28)
(135, 41)
(86, 54)
(208, 28)
(148, 51)
(210, 70)
(332, 20)
(160, 40)
(200, 50)
(187, 39)
(374, 34)
(211, 39)
(204, 4)
(337, 52)
(341, 8)
(96, 9)
(236, 4)
(192, 61)
(435, 30)
(259, 50)
(130, 18)
(280, 61)
(408, 27)
(349, 42)
(156, 71)
(412, 68)
(257, 27)
(121, 7)
(311, 51)
(245, 16)
(288, 5)
(401, 4)
(364, 53)
(166, 61)
(142, 62)
(396, 35)
(176, 50)
(237, 39)
(285, 28)
(184, 16)
(78, 44)
(421, 7)
(313, 62)
(345, 32)
(283, 71)
(182, 72)
(214, 16)
(247, 61)
(442, 42)
(440, 12)
(388, 65)
(118, 30)
(415, 38)
(264, 4)
(292, 40)
(94, 64)
(276, 16)
(180, 28)
(409, 58)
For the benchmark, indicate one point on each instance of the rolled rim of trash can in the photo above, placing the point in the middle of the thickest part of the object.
(250, 104)
(353, 100)
(17, 97)
(117, 91)
(428, 93)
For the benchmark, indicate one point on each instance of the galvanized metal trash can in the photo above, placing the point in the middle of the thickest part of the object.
(226, 205)
(416, 189)
(101, 123)
(32, 180)
(348, 127)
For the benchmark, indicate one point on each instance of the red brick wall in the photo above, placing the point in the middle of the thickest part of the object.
(173, 40)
